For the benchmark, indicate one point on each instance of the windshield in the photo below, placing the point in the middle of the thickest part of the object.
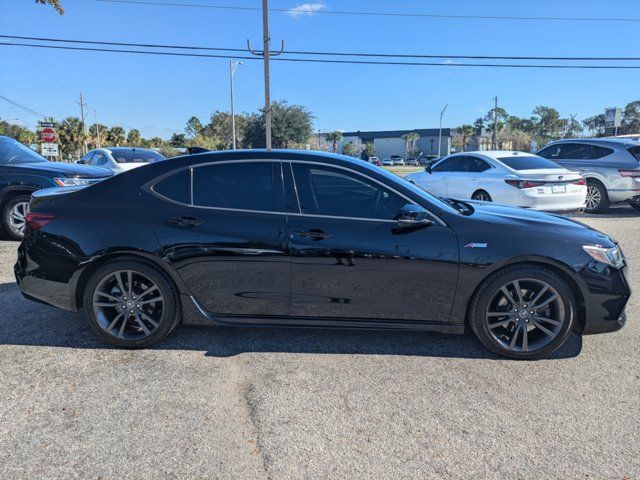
(136, 156)
(13, 152)
(528, 162)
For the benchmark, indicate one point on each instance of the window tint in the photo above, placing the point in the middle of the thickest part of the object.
(635, 151)
(99, 159)
(474, 165)
(175, 187)
(87, 158)
(246, 186)
(574, 151)
(447, 165)
(333, 192)
(528, 162)
(135, 155)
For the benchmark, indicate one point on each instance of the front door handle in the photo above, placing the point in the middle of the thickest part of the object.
(314, 234)
(185, 221)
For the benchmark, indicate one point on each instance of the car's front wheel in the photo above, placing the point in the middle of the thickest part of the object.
(14, 216)
(130, 303)
(635, 204)
(523, 312)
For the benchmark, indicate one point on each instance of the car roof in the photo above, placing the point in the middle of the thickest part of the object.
(496, 154)
(603, 141)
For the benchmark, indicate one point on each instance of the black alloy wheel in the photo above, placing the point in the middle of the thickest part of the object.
(481, 196)
(131, 304)
(523, 312)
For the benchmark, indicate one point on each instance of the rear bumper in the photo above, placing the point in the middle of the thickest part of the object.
(606, 291)
(35, 286)
(553, 202)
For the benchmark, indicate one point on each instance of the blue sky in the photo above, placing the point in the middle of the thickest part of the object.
(158, 94)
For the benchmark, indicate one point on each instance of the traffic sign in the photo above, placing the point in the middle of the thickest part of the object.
(48, 135)
(49, 149)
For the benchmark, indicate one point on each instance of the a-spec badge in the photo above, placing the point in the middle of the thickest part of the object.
(475, 245)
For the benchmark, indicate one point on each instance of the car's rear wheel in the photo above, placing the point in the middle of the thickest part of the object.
(481, 196)
(597, 198)
(14, 216)
(523, 312)
(635, 204)
(131, 304)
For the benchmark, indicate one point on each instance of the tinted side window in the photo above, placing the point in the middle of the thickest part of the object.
(175, 187)
(448, 165)
(476, 165)
(245, 186)
(635, 151)
(87, 158)
(560, 151)
(599, 152)
(333, 192)
(99, 159)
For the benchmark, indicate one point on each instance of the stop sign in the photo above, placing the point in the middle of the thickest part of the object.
(48, 135)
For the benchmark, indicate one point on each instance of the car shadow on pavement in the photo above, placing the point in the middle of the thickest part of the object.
(27, 323)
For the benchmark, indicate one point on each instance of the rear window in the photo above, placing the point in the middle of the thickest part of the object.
(136, 156)
(528, 162)
(635, 151)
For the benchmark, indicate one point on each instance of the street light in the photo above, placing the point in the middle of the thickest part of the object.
(440, 129)
(232, 70)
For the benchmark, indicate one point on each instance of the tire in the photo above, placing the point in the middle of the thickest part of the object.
(12, 225)
(158, 318)
(546, 330)
(597, 197)
(481, 196)
(635, 204)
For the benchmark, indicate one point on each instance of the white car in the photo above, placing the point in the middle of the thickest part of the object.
(120, 159)
(506, 177)
(387, 162)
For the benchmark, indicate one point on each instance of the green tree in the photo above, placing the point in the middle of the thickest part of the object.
(631, 118)
(410, 140)
(335, 138)
(54, 3)
(71, 136)
(350, 149)
(156, 142)
(461, 136)
(546, 123)
(570, 127)
(134, 139)
(595, 124)
(369, 150)
(194, 127)
(178, 140)
(116, 136)
(98, 131)
(290, 126)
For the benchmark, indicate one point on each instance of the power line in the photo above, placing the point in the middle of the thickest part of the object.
(321, 53)
(26, 109)
(329, 61)
(376, 14)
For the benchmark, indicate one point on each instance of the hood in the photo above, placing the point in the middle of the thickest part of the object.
(531, 221)
(68, 169)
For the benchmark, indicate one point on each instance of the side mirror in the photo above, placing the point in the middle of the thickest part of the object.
(428, 168)
(413, 216)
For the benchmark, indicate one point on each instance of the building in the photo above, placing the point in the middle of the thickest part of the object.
(390, 142)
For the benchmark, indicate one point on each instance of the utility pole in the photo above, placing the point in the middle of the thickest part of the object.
(266, 55)
(84, 131)
(440, 130)
(495, 124)
(95, 122)
(232, 70)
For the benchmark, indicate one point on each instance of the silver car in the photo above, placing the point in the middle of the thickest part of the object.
(611, 167)
(120, 159)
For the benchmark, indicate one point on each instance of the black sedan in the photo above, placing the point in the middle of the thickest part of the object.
(295, 238)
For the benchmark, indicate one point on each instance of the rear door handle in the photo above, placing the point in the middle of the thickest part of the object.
(185, 221)
(314, 234)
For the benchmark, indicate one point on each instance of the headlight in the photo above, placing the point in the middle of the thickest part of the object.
(72, 182)
(609, 256)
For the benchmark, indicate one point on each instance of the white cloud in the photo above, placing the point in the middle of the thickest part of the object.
(306, 9)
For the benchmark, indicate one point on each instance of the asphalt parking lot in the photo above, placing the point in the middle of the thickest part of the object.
(284, 404)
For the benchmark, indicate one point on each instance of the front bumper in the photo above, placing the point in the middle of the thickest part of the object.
(606, 291)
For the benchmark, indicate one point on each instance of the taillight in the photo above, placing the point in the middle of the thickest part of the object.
(630, 173)
(582, 181)
(524, 183)
(36, 221)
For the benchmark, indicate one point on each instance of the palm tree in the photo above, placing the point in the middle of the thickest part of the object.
(134, 138)
(335, 138)
(116, 136)
(410, 140)
(71, 135)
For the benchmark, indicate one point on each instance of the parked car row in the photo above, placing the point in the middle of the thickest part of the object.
(565, 175)
(23, 171)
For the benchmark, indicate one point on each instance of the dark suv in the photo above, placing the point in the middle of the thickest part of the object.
(23, 171)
